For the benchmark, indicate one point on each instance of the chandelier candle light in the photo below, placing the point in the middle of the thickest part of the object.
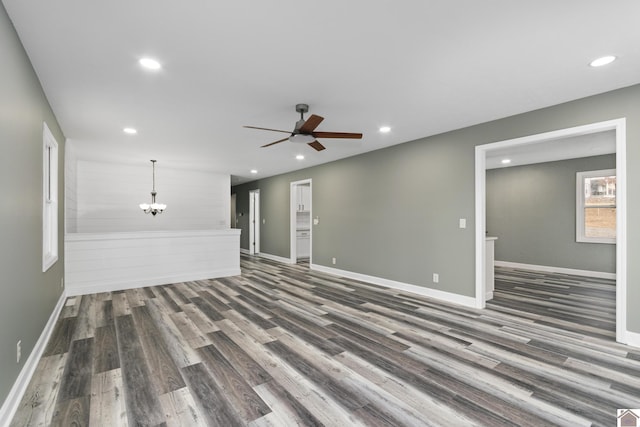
(153, 208)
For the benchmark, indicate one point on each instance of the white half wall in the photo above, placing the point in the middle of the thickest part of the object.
(103, 262)
(108, 194)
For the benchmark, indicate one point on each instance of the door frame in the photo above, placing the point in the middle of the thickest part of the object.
(293, 208)
(254, 222)
(619, 126)
(234, 213)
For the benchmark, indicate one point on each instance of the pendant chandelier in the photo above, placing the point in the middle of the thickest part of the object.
(153, 208)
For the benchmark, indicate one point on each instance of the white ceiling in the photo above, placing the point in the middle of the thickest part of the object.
(594, 144)
(421, 67)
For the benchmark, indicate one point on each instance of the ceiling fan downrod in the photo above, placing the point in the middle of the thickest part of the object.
(300, 108)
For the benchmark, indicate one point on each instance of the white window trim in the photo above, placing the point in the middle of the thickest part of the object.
(49, 199)
(580, 177)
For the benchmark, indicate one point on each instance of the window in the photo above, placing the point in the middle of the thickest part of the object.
(49, 199)
(596, 206)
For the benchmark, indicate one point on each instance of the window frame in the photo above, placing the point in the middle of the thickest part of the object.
(49, 199)
(580, 206)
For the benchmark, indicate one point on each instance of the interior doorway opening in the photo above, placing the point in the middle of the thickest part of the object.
(482, 151)
(301, 222)
(254, 222)
(234, 214)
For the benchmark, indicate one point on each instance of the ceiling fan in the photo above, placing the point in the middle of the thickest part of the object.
(304, 131)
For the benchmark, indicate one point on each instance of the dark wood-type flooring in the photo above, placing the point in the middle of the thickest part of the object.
(282, 346)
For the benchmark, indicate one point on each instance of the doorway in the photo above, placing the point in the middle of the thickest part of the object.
(300, 222)
(254, 222)
(234, 218)
(619, 126)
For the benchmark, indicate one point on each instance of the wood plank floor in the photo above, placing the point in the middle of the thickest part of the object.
(580, 304)
(282, 346)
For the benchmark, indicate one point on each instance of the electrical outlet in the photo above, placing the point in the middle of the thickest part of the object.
(333, 260)
(18, 351)
(436, 277)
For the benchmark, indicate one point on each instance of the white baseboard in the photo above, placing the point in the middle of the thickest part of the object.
(11, 403)
(488, 296)
(560, 270)
(275, 258)
(420, 290)
(98, 286)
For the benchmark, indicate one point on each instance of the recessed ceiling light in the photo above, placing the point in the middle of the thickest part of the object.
(150, 63)
(505, 161)
(300, 157)
(602, 61)
(253, 171)
(130, 131)
(385, 129)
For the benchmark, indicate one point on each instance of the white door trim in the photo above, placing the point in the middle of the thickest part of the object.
(254, 222)
(293, 208)
(619, 126)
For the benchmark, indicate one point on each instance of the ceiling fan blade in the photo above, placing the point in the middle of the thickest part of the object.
(312, 122)
(316, 146)
(273, 130)
(346, 135)
(275, 142)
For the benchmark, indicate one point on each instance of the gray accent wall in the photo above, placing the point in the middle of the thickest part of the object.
(532, 211)
(28, 296)
(393, 213)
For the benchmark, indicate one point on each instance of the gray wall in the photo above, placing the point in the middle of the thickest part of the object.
(28, 296)
(387, 213)
(394, 212)
(532, 211)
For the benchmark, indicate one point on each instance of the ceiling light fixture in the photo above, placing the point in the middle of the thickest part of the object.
(300, 157)
(505, 161)
(301, 138)
(153, 208)
(150, 64)
(253, 171)
(605, 60)
(385, 129)
(130, 131)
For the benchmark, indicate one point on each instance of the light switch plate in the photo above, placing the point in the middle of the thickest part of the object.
(463, 223)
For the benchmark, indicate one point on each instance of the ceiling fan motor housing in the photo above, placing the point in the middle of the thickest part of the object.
(299, 124)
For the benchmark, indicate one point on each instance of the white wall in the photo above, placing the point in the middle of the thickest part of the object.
(70, 189)
(108, 195)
